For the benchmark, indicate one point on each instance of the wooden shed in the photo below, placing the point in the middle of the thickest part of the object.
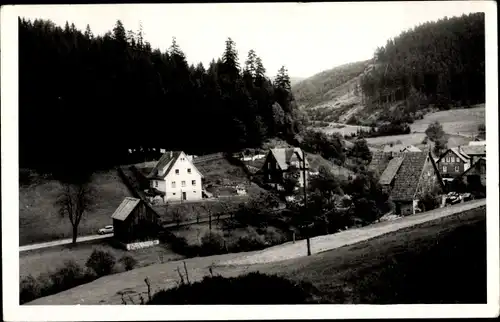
(135, 224)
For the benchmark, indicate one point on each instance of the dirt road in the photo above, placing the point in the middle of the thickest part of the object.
(62, 242)
(347, 237)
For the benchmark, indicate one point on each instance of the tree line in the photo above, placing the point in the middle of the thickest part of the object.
(441, 63)
(84, 100)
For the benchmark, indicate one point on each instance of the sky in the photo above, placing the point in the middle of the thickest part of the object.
(306, 38)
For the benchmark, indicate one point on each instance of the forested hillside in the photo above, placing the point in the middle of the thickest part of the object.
(315, 89)
(440, 64)
(443, 62)
(84, 100)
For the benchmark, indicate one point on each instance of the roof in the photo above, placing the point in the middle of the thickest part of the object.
(473, 149)
(284, 156)
(477, 143)
(407, 178)
(463, 157)
(401, 148)
(167, 160)
(391, 170)
(476, 167)
(125, 208)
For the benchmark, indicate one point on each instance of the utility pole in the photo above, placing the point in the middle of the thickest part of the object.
(305, 200)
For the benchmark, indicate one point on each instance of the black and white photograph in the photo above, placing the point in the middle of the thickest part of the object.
(249, 154)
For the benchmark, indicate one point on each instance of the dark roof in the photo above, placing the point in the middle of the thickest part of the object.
(167, 159)
(407, 178)
(402, 169)
(476, 167)
(125, 208)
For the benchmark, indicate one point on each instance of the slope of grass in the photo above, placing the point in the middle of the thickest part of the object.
(42, 261)
(441, 261)
(460, 121)
(39, 220)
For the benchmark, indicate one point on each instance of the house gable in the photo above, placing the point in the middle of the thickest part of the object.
(407, 178)
(429, 179)
(182, 158)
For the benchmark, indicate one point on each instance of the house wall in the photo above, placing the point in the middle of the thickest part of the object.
(141, 224)
(404, 208)
(193, 192)
(271, 171)
(448, 163)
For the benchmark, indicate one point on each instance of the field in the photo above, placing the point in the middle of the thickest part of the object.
(220, 177)
(36, 262)
(39, 220)
(420, 264)
(414, 139)
(317, 161)
(343, 129)
(460, 122)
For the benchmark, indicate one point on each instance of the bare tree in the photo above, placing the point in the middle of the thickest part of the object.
(73, 202)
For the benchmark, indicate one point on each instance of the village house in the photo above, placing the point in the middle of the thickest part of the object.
(279, 164)
(135, 224)
(176, 178)
(456, 161)
(406, 177)
(475, 176)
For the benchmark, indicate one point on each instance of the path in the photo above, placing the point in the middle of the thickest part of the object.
(62, 242)
(348, 237)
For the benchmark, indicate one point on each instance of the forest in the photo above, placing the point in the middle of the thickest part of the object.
(84, 100)
(440, 63)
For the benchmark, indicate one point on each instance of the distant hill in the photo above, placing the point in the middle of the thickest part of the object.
(295, 80)
(436, 65)
(320, 87)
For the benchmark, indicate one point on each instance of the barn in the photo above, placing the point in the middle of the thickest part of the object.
(135, 224)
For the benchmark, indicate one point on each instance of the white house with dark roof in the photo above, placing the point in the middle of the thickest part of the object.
(176, 178)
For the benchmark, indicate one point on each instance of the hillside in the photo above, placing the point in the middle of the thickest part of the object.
(437, 65)
(39, 220)
(375, 271)
(326, 86)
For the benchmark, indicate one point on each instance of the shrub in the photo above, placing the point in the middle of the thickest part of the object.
(101, 262)
(273, 236)
(212, 242)
(128, 262)
(251, 240)
(429, 201)
(66, 277)
(270, 289)
(29, 289)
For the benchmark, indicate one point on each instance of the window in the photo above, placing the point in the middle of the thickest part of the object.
(156, 184)
(183, 183)
(444, 169)
(176, 171)
(173, 184)
(182, 159)
(457, 159)
(457, 168)
(189, 170)
(193, 182)
(173, 194)
(194, 191)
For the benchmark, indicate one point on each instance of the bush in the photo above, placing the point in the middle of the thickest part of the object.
(251, 240)
(66, 277)
(429, 201)
(29, 289)
(273, 236)
(128, 262)
(212, 242)
(101, 262)
(252, 288)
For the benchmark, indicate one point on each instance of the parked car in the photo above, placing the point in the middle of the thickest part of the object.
(106, 230)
